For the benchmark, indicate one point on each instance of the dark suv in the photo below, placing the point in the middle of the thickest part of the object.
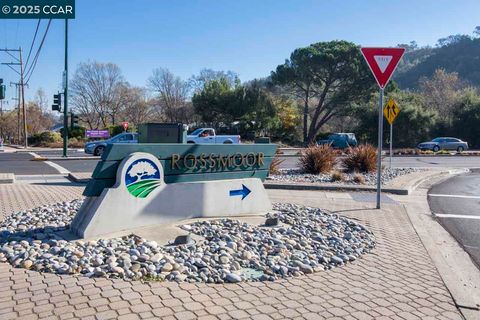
(340, 140)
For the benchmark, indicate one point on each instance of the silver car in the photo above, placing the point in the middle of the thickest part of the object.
(444, 143)
(97, 147)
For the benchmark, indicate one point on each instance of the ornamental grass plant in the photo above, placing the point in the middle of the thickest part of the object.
(275, 165)
(338, 176)
(317, 159)
(362, 158)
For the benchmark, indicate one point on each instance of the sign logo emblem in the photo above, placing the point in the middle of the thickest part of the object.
(142, 177)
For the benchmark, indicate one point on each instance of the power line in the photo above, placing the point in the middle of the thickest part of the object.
(35, 59)
(33, 42)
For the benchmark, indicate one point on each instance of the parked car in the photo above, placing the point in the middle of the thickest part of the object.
(444, 143)
(97, 147)
(340, 140)
(207, 135)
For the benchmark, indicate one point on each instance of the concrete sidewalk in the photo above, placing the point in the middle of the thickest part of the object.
(398, 280)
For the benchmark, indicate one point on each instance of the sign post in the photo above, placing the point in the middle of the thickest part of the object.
(382, 63)
(391, 111)
(125, 126)
(391, 149)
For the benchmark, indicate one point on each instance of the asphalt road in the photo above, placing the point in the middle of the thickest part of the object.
(292, 162)
(20, 164)
(456, 204)
(414, 162)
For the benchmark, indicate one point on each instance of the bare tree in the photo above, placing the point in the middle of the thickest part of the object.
(136, 107)
(95, 93)
(41, 100)
(38, 119)
(440, 92)
(172, 92)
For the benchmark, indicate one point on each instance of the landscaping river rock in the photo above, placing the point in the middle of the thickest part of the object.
(370, 178)
(306, 240)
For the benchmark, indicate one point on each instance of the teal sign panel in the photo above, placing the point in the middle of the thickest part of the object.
(183, 163)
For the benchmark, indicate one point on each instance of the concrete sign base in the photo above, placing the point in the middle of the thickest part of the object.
(141, 198)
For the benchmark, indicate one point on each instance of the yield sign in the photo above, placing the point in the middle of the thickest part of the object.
(391, 110)
(382, 62)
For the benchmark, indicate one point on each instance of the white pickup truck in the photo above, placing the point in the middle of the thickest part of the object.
(207, 135)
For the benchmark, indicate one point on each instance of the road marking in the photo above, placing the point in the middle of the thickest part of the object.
(55, 166)
(456, 216)
(453, 196)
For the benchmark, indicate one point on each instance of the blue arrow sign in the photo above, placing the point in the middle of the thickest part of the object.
(240, 192)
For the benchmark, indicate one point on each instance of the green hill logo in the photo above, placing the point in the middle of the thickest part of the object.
(142, 177)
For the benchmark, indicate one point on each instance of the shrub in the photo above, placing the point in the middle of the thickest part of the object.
(338, 176)
(361, 159)
(275, 165)
(75, 143)
(443, 152)
(317, 159)
(44, 138)
(358, 178)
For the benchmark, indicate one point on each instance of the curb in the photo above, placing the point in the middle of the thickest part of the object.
(7, 178)
(454, 265)
(74, 178)
(37, 157)
(405, 190)
(291, 186)
(72, 158)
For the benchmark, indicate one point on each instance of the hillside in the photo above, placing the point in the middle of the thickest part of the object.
(459, 54)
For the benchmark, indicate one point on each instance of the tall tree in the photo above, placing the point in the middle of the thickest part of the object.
(38, 119)
(41, 100)
(329, 77)
(197, 82)
(467, 117)
(441, 92)
(221, 104)
(413, 124)
(172, 93)
(95, 93)
(212, 103)
(136, 107)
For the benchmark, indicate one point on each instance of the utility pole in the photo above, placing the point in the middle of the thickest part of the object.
(22, 85)
(17, 92)
(2, 96)
(21, 88)
(65, 94)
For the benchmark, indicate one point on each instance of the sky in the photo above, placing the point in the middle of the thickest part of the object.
(250, 37)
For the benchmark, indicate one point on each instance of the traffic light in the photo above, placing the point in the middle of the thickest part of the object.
(73, 120)
(2, 91)
(57, 102)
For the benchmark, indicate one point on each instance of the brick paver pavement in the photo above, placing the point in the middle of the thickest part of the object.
(19, 196)
(396, 281)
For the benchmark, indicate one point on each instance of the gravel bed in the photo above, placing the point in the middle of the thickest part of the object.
(296, 175)
(306, 240)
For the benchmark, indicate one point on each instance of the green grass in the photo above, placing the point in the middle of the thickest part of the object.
(142, 188)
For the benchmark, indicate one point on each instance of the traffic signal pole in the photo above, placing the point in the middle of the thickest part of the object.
(65, 94)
